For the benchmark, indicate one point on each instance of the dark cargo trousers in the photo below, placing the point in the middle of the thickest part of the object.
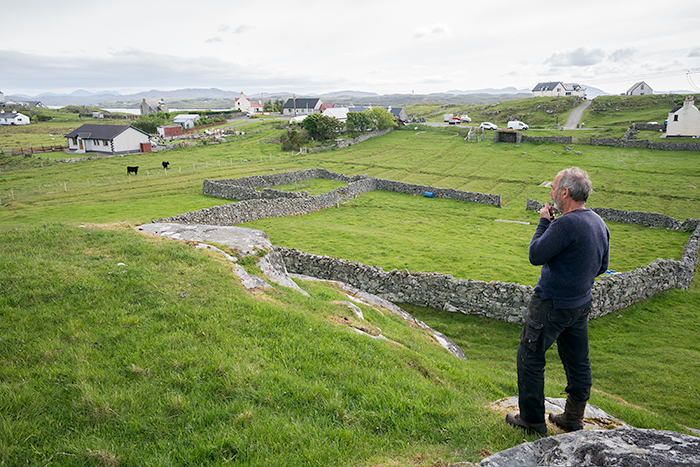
(543, 325)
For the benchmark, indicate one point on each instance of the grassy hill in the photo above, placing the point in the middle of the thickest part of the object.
(538, 112)
(120, 349)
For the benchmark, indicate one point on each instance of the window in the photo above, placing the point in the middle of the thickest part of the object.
(675, 118)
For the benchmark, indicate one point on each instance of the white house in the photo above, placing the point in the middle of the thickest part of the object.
(558, 89)
(244, 104)
(186, 120)
(684, 120)
(107, 139)
(152, 107)
(302, 106)
(639, 89)
(13, 118)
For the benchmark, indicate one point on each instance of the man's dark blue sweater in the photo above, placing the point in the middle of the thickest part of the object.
(573, 249)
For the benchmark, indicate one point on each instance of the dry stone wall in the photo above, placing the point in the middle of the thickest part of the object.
(646, 219)
(505, 301)
(274, 203)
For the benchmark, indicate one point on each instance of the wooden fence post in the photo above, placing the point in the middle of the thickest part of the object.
(64, 187)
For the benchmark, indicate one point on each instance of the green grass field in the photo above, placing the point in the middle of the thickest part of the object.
(119, 349)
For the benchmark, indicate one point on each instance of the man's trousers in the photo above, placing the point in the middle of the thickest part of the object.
(543, 326)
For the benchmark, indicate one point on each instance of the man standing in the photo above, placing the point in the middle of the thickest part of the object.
(573, 249)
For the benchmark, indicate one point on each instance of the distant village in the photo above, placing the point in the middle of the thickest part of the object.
(683, 120)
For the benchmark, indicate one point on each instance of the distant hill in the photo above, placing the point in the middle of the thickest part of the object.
(217, 98)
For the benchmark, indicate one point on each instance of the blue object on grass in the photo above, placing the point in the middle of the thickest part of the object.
(429, 194)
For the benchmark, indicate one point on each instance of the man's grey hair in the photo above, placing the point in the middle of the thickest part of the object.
(578, 183)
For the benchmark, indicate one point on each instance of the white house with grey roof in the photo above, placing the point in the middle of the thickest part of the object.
(639, 89)
(302, 106)
(13, 118)
(186, 120)
(558, 89)
(106, 139)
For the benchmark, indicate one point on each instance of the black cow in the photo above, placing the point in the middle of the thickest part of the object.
(134, 170)
(165, 164)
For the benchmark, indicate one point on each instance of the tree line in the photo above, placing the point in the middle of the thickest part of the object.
(319, 127)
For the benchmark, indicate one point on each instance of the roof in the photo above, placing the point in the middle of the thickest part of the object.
(553, 84)
(185, 117)
(301, 103)
(636, 85)
(546, 86)
(97, 131)
(4, 114)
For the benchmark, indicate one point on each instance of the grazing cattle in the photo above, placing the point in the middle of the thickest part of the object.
(165, 164)
(134, 170)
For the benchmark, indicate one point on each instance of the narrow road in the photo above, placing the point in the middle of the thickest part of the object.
(575, 116)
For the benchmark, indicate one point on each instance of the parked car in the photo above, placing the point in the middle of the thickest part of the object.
(466, 118)
(455, 120)
(488, 126)
(517, 125)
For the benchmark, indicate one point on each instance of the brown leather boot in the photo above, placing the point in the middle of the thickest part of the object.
(514, 419)
(572, 418)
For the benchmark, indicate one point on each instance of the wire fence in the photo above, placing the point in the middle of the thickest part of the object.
(31, 150)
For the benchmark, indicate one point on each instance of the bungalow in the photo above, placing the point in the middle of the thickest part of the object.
(107, 139)
(186, 120)
(13, 118)
(557, 89)
(152, 107)
(302, 106)
(684, 120)
(639, 89)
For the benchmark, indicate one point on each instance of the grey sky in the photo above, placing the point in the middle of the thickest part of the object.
(316, 46)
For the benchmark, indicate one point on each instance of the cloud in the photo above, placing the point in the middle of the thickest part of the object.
(432, 32)
(579, 57)
(694, 52)
(213, 39)
(226, 29)
(623, 55)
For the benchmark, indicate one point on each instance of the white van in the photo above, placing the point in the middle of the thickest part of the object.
(517, 125)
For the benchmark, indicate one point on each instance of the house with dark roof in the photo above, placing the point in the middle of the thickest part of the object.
(684, 120)
(639, 89)
(558, 89)
(302, 106)
(107, 139)
(13, 118)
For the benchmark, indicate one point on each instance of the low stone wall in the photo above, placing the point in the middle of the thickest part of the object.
(646, 219)
(498, 300)
(547, 139)
(505, 301)
(274, 203)
(643, 143)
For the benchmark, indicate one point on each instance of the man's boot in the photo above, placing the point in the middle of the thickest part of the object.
(572, 418)
(514, 419)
